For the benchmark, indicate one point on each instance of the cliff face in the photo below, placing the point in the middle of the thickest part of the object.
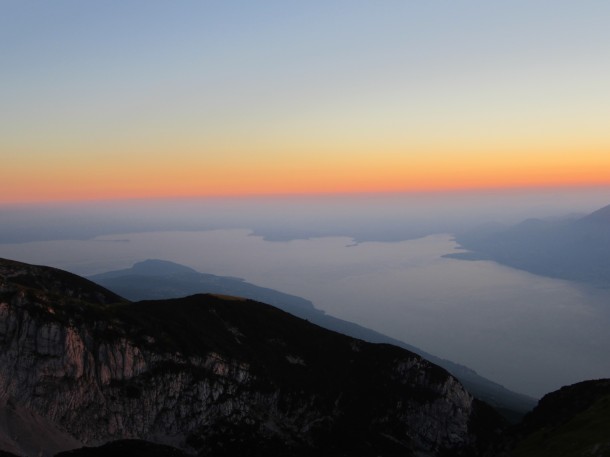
(217, 375)
(159, 279)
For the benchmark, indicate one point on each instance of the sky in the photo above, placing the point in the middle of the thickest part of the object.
(148, 99)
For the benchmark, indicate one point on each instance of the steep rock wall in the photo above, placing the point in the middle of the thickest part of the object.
(93, 379)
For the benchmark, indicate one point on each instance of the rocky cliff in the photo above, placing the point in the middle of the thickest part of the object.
(160, 279)
(217, 376)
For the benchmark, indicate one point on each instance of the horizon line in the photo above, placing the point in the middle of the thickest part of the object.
(297, 195)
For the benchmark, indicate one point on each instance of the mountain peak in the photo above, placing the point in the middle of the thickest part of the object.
(149, 267)
(601, 216)
(52, 281)
(157, 267)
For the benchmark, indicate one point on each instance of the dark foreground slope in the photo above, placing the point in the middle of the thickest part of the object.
(125, 448)
(219, 376)
(571, 422)
(160, 279)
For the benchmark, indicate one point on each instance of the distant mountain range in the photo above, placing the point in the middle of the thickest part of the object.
(159, 279)
(575, 250)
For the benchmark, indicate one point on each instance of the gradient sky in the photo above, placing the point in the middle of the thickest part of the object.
(120, 99)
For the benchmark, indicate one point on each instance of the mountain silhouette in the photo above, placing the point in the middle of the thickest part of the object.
(576, 250)
(217, 376)
(159, 279)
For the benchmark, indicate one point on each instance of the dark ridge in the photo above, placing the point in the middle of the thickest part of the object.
(126, 448)
(54, 281)
(573, 421)
(241, 329)
(560, 406)
(601, 216)
(158, 279)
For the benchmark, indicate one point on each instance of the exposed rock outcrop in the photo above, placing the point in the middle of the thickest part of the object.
(159, 279)
(218, 376)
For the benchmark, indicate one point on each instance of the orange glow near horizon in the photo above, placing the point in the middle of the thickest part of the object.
(187, 176)
(375, 98)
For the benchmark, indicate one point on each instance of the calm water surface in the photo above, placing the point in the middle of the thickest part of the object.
(531, 334)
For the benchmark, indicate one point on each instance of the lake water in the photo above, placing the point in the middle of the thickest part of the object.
(529, 333)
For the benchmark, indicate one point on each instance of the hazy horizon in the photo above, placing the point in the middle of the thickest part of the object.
(375, 260)
(372, 216)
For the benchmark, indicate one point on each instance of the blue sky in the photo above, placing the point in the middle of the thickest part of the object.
(258, 86)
